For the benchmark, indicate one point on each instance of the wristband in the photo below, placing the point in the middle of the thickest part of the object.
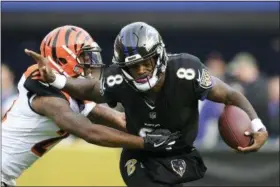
(257, 125)
(59, 81)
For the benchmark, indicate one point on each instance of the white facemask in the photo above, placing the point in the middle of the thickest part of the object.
(144, 86)
(151, 81)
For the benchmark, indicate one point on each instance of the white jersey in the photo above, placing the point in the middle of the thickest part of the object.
(27, 135)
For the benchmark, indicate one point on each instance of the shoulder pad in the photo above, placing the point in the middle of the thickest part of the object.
(189, 67)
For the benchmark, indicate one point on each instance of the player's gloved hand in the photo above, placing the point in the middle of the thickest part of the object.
(46, 73)
(160, 140)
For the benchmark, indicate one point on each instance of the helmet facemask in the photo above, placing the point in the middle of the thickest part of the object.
(90, 60)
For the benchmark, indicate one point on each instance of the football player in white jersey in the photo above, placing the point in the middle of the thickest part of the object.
(43, 115)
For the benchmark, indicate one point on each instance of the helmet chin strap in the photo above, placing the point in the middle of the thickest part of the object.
(151, 82)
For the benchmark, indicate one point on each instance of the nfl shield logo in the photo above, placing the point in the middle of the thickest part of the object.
(153, 115)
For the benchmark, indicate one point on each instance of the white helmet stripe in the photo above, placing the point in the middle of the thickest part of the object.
(70, 53)
(57, 66)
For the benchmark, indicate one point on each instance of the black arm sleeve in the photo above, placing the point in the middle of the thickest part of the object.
(109, 86)
(40, 88)
(202, 83)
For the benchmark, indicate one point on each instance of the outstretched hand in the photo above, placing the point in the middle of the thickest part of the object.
(43, 64)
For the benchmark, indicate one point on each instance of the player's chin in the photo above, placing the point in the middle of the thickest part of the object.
(143, 80)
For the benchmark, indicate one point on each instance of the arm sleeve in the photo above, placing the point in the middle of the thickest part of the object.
(108, 91)
(203, 82)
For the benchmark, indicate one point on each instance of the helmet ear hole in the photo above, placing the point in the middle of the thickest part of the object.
(62, 61)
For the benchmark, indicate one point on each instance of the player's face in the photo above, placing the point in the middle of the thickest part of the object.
(90, 58)
(85, 58)
(87, 63)
(142, 71)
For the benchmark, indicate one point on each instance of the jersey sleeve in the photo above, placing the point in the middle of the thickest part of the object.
(36, 87)
(109, 85)
(202, 80)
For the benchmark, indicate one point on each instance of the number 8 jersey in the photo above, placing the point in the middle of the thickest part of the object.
(27, 135)
(176, 107)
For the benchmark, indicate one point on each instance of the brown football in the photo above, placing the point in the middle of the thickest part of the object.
(233, 122)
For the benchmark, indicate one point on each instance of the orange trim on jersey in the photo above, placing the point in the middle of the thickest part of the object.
(66, 95)
(30, 70)
(33, 150)
(33, 71)
(5, 116)
(42, 147)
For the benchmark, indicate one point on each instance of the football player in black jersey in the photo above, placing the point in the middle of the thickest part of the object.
(159, 91)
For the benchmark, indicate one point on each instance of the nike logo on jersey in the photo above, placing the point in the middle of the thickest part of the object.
(150, 106)
(159, 144)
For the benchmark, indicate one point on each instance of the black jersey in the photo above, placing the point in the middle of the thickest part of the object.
(176, 107)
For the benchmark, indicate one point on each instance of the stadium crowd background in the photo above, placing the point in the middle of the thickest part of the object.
(237, 41)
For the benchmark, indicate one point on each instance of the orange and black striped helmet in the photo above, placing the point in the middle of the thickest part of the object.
(70, 49)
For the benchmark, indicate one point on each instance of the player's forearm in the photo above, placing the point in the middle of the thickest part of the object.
(109, 137)
(81, 88)
(97, 134)
(223, 93)
(104, 115)
(237, 99)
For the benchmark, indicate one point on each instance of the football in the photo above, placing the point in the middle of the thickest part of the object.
(233, 122)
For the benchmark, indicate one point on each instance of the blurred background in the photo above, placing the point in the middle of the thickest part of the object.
(237, 41)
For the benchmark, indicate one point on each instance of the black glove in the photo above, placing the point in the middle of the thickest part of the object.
(160, 140)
